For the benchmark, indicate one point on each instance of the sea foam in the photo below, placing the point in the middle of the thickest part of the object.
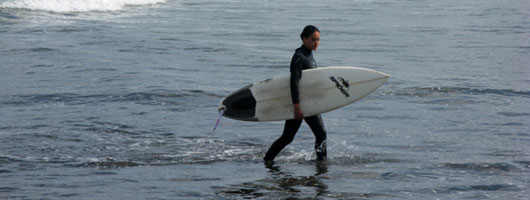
(75, 5)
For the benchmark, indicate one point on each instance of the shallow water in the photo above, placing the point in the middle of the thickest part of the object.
(119, 101)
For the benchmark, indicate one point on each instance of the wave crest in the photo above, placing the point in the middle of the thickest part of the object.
(64, 6)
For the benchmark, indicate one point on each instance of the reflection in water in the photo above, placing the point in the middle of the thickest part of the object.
(283, 184)
(292, 184)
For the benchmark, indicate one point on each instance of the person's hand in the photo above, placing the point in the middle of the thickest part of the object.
(298, 114)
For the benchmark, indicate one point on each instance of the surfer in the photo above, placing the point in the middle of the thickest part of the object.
(301, 60)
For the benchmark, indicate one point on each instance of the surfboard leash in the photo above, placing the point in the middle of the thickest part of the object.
(221, 111)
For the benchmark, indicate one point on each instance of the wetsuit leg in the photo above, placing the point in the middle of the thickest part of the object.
(289, 131)
(317, 126)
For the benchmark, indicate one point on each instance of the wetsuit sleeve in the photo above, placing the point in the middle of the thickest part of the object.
(296, 74)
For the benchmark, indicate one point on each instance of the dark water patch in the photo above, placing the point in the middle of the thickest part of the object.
(8, 189)
(363, 159)
(372, 176)
(502, 30)
(239, 65)
(265, 35)
(147, 98)
(287, 186)
(204, 49)
(472, 45)
(120, 179)
(523, 134)
(107, 42)
(7, 14)
(514, 114)
(56, 185)
(95, 69)
(443, 91)
(168, 68)
(284, 188)
(31, 50)
(10, 159)
(41, 66)
(426, 146)
(426, 30)
(372, 49)
(68, 195)
(48, 156)
(366, 108)
(193, 195)
(34, 127)
(388, 117)
(493, 187)
(524, 163)
(451, 101)
(42, 98)
(509, 124)
(105, 164)
(41, 49)
(126, 50)
(140, 113)
(170, 39)
(108, 127)
(71, 29)
(106, 172)
(195, 179)
(267, 66)
(482, 167)
(471, 190)
(160, 49)
(461, 130)
(507, 153)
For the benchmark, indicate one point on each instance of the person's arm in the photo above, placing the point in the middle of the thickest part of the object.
(298, 114)
(296, 74)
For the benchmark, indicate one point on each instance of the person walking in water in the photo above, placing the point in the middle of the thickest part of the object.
(302, 60)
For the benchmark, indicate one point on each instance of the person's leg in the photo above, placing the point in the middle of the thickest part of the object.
(289, 131)
(317, 126)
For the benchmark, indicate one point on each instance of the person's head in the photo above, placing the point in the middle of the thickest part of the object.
(310, 37)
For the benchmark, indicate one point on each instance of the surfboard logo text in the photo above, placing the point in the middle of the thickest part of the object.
(341, 84)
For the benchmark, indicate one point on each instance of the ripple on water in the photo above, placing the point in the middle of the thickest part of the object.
(482, 167)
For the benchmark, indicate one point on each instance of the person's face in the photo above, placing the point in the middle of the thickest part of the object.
(312, 41)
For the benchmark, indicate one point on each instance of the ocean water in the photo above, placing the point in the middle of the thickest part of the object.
(117, 99)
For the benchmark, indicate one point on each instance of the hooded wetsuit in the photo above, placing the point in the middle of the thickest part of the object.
(302, 60)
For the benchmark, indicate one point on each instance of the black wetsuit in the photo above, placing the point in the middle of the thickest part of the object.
(302, 59)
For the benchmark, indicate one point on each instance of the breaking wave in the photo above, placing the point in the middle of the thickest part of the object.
(65, 6)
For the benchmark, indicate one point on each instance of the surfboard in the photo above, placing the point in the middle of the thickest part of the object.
(320, 90)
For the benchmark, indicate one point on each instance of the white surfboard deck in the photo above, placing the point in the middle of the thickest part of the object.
(320, 90)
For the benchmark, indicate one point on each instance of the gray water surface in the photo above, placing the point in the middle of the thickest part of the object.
(120, 103)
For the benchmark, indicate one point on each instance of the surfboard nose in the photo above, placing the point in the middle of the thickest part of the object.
(379, 74)
(385, 75)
